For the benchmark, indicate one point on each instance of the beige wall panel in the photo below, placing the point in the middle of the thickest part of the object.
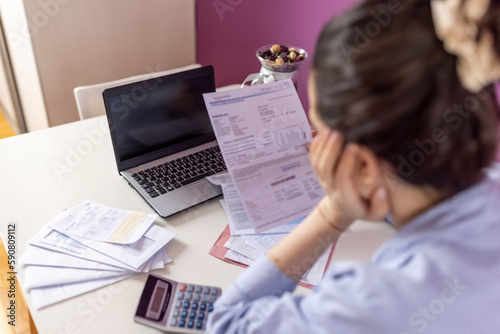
(82, 42)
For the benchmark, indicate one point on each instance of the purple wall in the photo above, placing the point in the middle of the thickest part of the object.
(230, 31)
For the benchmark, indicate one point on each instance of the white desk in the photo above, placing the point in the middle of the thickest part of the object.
(46, 171)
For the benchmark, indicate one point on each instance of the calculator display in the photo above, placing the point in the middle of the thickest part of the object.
(157, 299)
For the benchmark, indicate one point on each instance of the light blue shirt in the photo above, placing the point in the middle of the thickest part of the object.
(439, 274)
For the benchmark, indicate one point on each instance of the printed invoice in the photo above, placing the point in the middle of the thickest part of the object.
(262, 131)
(96, 221)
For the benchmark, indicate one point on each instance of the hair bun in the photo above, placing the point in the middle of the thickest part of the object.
(457, 24)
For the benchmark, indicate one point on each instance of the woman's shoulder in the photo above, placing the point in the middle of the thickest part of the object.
(419, 291)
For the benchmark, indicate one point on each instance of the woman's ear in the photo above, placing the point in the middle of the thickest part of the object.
(369, 174)
(371, 184)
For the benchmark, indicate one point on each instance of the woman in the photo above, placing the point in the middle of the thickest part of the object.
(407, 121)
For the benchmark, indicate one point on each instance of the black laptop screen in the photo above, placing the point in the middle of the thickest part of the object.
(155, 114)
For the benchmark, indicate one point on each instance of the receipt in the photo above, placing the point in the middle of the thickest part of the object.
(262, 131)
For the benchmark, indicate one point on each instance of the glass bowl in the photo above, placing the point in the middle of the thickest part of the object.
(285, 67)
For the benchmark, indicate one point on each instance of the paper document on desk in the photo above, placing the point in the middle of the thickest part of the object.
(59, 266)
(132, 257)
(136, 254)
(96, 221)
(41, 276)
(49, 239)
(44, 297)
(34, 255)
(247, 248)
(262, 131)
(244, 227)
(263, 243)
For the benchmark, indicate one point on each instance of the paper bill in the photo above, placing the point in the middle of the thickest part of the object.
(39, 256)
(96, 221)
(41, 276)
(44, 297)
(262, 131)
(136, 254)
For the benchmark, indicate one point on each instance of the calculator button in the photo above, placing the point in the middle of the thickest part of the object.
(214, 291)
(206, 290)
(203, 307)
(178, 304)
(192, 315)
(199, 325)
(196, 297)
(189, 288)
(210, 308)
(197, 289)
(182, 287)
(180, 295)
(185, 305)
(194, 305)
(182, 323)
(176, 313)
(184, 314)
(201, 316)
(188, 296)
(208, 298)
(173, 323)
(190, 324)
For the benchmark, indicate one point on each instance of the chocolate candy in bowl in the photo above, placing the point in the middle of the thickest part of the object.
(281, 58)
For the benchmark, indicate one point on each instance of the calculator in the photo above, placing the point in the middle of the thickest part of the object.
(175, 307)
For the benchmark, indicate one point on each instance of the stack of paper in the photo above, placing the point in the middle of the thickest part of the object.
(262, 132)
(239, 243)
(90, 246)
(239, 223)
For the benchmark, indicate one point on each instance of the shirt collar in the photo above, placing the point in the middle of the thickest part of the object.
(472, 211)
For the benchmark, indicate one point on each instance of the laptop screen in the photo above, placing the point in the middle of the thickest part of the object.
(166, 114)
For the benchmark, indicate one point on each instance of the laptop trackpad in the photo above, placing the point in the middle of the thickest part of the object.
(186, 197)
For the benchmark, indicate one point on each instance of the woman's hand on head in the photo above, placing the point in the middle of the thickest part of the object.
(337, 168)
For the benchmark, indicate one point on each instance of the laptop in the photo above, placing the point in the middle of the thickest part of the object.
(163, 141)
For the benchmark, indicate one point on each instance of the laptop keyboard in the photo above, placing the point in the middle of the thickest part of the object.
(181, 172)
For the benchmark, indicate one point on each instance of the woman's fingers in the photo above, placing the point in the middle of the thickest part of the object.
(308, 145)
(336, 169)
(324, 155)
(317, 147)
(344, 181)
(345, 171)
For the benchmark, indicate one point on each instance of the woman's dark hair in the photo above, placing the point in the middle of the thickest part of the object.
(384, 80)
